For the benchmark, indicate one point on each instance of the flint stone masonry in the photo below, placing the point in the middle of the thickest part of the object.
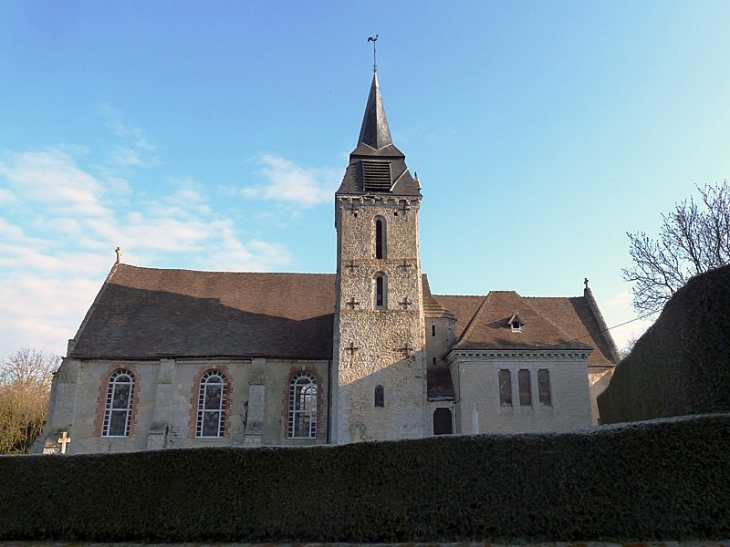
(379, 346)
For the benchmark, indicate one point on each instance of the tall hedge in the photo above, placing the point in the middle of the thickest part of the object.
(650, 481)
(681, 365)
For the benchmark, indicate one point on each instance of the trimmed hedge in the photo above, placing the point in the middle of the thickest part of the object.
(681, 365)
(665, 480)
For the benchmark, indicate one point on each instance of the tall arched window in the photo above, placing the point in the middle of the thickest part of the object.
(212, 405)
(380, 237)
(381, 291)
(119, 398)
(303, 405)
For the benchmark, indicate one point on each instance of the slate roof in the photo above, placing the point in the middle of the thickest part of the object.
(143, 313)
(375, 145)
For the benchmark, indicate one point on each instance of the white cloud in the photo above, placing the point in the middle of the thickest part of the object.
(287, 182)
(60, 224)
(51, 177)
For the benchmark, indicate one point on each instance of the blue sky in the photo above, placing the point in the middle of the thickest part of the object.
(212, 135)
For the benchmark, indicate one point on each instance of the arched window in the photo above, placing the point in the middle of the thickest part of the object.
(303, 405)
(212, 405)
(379, 396)
(381, 291)
(380, 237)
(119, 398)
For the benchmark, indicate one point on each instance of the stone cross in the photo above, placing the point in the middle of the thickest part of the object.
(585, 281)
(405, 302)
(118, 250)
(352, 303)
(404, 266)
(406, 350)
(351, 266)
(351, 349)
(64, 440)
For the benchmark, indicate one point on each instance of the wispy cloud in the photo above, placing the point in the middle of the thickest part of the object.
(287, 182)
(135, 148)
(60, 222)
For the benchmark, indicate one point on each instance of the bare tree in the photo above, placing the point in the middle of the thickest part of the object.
(25, 381)
(694, 238)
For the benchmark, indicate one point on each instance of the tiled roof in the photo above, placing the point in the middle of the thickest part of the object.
(145, 312)
(549, 323)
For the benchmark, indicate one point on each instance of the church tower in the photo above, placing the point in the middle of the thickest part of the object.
(379, 369)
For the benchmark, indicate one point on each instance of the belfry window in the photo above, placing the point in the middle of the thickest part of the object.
(118, 412)
(303, 406)
(380, 239)
(212, 405)
(381, 291)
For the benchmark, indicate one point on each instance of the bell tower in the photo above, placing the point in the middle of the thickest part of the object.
(379, 369)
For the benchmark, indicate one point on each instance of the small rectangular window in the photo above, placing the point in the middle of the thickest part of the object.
(505, 387)
(523, 376)
(433, 330)
(543, 387)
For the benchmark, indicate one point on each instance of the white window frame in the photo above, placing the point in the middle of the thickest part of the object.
(302, 423)
(119, 379)
(212, 378)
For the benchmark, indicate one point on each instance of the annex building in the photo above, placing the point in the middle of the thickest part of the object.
(178, 358)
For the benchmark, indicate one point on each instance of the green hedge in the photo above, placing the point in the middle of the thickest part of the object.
(650, 481)
(682, 363)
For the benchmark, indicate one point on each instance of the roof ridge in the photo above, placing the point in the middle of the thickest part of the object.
(221, 271)
(461, 295)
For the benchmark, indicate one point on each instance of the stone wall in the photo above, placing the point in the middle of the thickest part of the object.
(164, 411)
(378, 345)
(476, 378)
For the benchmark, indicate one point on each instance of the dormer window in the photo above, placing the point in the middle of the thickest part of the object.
(515, 323)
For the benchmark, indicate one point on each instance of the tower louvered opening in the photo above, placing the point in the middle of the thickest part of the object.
(376, 176)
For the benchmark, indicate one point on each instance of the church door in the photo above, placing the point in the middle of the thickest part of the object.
(442, 422)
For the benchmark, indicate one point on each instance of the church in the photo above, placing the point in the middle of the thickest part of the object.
(178, 359)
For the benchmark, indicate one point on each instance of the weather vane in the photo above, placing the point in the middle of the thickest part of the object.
(373, 39)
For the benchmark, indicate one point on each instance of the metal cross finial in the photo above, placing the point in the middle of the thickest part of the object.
(373, 39)
(586, 282)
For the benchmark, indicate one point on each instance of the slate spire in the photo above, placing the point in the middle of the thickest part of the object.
(375, 131)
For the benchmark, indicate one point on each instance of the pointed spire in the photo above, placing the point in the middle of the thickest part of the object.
(375, 131)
